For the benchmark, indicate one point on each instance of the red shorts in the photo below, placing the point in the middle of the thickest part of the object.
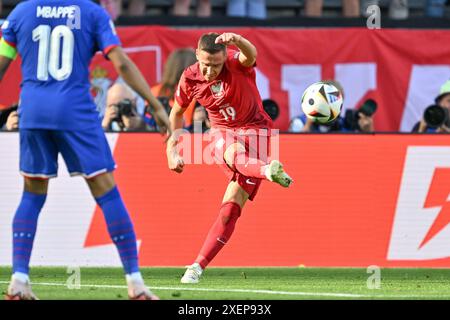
(257, 145)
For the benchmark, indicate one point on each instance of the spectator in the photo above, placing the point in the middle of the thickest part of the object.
(398, 9)
(350, 8)
(304, 124)
(136, 8)
(435, 8)
(181, 8)
(428, 124)
(356, 121)
(200, 121)
(177, 61)
(121, 112)
(296, 125)
(360, 120)
(115, 7)
(12, 123)
(247, 8)
(9, 118)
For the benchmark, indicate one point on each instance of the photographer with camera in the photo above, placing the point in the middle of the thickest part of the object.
(121, 112)
(436, 118)
(360, 120)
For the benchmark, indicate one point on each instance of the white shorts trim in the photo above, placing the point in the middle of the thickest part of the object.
(38, 175)
(91, 175)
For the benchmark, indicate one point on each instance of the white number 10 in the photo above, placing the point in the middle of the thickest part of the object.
(49, 52)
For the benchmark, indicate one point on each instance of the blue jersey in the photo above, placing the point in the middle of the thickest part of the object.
(56, 40)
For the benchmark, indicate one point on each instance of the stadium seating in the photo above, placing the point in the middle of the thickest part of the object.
(332, 8)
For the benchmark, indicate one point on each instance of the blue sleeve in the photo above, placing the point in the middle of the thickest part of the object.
(9, 27)
(105, 32)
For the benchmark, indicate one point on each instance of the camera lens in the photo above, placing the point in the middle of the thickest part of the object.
(125, 107)
(435, 116)
(271, 108)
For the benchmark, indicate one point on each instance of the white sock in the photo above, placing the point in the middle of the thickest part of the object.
(134, 277)
(197, 265)
(266, 171)
(22, 277)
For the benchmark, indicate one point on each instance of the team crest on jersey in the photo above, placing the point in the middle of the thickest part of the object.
(217, 89)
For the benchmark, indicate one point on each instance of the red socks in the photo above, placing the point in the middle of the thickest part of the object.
(220, 233)
(250, 167)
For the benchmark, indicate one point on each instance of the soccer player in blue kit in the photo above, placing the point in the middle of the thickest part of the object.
(56, 40)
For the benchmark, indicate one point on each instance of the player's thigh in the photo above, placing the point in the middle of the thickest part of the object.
(86, 152)
(235, 193)
(231, 150)
(38, 154)
(101, 184)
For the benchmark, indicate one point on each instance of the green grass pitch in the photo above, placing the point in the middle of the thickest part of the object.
(243, 283)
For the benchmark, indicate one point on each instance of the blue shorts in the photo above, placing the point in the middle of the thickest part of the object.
(85, 153)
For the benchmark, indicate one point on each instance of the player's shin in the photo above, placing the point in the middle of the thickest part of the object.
(24, 229)
(220, 233)
(121, 231)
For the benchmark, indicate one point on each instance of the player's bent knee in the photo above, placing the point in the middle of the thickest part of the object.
(36, 185)
(231, 151)
(101, 184)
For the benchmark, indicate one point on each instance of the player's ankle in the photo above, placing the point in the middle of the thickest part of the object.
(135, 277)
(198, 267)
(266, 171)
(20, 276)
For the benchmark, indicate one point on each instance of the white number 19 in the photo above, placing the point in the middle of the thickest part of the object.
(228, 112)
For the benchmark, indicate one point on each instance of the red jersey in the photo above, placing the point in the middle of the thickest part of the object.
(232, 99)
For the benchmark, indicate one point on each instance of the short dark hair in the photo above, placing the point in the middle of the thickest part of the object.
(207, 43)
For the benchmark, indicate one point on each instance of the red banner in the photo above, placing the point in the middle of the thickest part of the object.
(357, 200)
(401, 69)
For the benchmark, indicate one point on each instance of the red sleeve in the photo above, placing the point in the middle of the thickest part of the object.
(235, 64)
(182, 95)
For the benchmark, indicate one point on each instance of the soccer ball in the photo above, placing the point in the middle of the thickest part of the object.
(322, 102)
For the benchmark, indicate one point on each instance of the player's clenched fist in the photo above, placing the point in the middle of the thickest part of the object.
(175, 161)
(228, 38)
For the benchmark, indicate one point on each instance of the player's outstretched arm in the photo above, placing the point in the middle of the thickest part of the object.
(175, 161)
(134, 78)
(248, 54)
(4, 65)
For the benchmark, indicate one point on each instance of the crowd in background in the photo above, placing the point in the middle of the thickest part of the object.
(258, 9)
(122, 112)
(121, 109)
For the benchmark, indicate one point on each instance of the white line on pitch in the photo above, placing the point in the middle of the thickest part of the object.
(291, 293)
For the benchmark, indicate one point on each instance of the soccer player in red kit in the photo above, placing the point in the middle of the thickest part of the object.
(224, 82)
